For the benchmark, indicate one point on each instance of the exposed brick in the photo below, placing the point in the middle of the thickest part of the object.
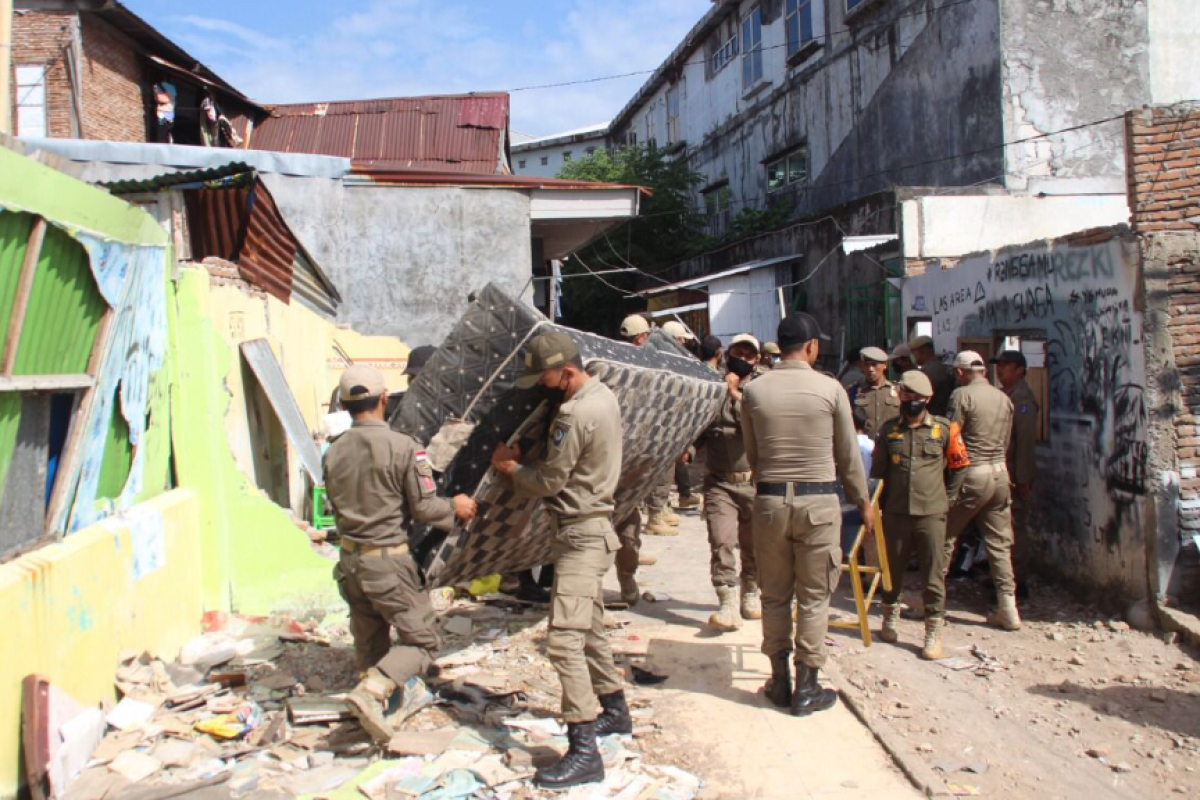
(39, 40)
(116, 90)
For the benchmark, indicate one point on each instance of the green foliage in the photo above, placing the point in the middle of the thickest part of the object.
(752, 221)
(666, 230)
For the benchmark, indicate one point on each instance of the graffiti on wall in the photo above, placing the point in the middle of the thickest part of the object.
(1081, 301)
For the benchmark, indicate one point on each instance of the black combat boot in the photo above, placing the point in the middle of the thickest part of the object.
(779, 686)
(809, 695)
(581, 764)
(614, 716)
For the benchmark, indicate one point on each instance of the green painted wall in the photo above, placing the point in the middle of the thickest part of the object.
(256, 560)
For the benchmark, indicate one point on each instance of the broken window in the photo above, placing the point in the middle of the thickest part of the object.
(673, 127)
(752, 55)
(788, 169)
(31, 101)
(566, 155)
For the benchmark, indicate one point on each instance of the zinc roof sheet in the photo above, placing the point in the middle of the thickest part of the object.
(456, 133)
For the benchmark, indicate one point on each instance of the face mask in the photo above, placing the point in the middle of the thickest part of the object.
(913, 408)
(740, 368)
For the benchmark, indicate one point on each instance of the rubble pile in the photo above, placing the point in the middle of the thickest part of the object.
(254, 708)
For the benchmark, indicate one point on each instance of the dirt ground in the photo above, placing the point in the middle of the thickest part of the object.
(1075, 705)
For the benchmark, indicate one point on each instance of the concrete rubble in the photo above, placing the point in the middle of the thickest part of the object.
(254, 708)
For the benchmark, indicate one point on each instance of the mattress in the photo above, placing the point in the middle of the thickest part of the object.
(465, 394)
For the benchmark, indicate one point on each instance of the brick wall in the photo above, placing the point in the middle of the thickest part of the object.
(1163, 168)
(40, 39)
(115, 88)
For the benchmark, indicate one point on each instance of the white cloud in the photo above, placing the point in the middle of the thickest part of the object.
(413, 47)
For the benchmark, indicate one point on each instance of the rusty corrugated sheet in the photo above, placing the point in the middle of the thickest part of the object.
(384, 173)
(455, 133)
(269, 248)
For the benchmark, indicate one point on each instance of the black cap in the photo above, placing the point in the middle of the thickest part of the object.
(709, 346)
(1011, 357)
(417, 358)
(797, 329)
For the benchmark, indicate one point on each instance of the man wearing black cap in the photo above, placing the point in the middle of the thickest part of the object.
(1010, 371)
(379, 483)
(928, 361)
(799, 435)
(576, 481)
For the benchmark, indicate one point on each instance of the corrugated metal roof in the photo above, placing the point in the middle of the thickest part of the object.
(376, 173)
(179, 180)
(454, 133)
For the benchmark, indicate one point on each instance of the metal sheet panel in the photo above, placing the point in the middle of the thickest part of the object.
(266, 368)
(14, 236)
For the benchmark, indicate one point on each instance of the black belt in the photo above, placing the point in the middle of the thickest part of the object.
(798, 488)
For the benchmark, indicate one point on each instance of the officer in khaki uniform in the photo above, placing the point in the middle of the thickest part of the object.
(985, 414)
(729, 497)
(799, 435)
(876, 395)
(378, 483)
(1021, 456)
(914, 455)
(942, 378)
(576, 481)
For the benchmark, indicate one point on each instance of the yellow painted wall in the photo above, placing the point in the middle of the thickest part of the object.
(70, 608)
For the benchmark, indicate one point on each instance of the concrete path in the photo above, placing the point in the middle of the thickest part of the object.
(715, 720)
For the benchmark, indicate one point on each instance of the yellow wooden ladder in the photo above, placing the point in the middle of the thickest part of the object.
(862, 601)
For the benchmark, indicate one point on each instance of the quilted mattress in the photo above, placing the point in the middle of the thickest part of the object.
(666, 401)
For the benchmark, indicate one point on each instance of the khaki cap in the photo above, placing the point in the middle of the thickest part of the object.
(917, 382)
(772, 348)
(873, 354)
(676, 330)
(633, 325)
(901, 351)
(547, 351)
(745, 338)
(360, 382)
(918, 342)
(968, 359)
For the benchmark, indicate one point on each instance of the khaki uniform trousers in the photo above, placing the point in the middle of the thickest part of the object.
(986, 497)
(1020, 546)
(904, 533)
(629, 532)
(385, 592)
(797, 544)
(729, 513)
(577, 642)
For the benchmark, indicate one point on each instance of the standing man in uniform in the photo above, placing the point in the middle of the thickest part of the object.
(985, 415)
(679, 332)
(729, 498)
(901, 360)
(876, 395)
(941, 378)
(379, 484)
(921, 458)
(1010, 371)
(576, 481)
(799, 437)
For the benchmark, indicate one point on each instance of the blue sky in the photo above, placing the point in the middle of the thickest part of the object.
(280, 51)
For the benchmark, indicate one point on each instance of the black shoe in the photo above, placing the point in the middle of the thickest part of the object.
(779, 686)
(809, 696)
(614, 717)
(581, 764)
(532, 593)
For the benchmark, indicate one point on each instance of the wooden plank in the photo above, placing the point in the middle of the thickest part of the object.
(21, 301)
(45, 383)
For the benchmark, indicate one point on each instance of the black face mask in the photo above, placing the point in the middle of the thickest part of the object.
(738, 367)
(913, 408)
(554, 394)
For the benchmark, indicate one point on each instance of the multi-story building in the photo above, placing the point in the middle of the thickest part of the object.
(891, 132)
(545, 156)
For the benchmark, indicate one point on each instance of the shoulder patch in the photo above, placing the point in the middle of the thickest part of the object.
(424, 471)
(558, 433)
(936, 433)
(1022, 409)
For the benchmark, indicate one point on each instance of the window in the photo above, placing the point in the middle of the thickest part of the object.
(752, 56)
(716, 199)
(591, 150)
(521, 164)
(31, 101)
(673, 127)
(545, 161)
(725, 53)
(566, 155)
(651, 133)
(787, 170)
(631, 138)
(800, 24)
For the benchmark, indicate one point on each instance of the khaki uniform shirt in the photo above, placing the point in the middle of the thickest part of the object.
(724, 449)
(579, 473)
(797, 426)
(880, 403)
(985, 414)
(1021, 462)
(942, 378)
(912, 463)
(378, 483)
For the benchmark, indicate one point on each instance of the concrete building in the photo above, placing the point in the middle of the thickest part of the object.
(545, 156)
(945, 128)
